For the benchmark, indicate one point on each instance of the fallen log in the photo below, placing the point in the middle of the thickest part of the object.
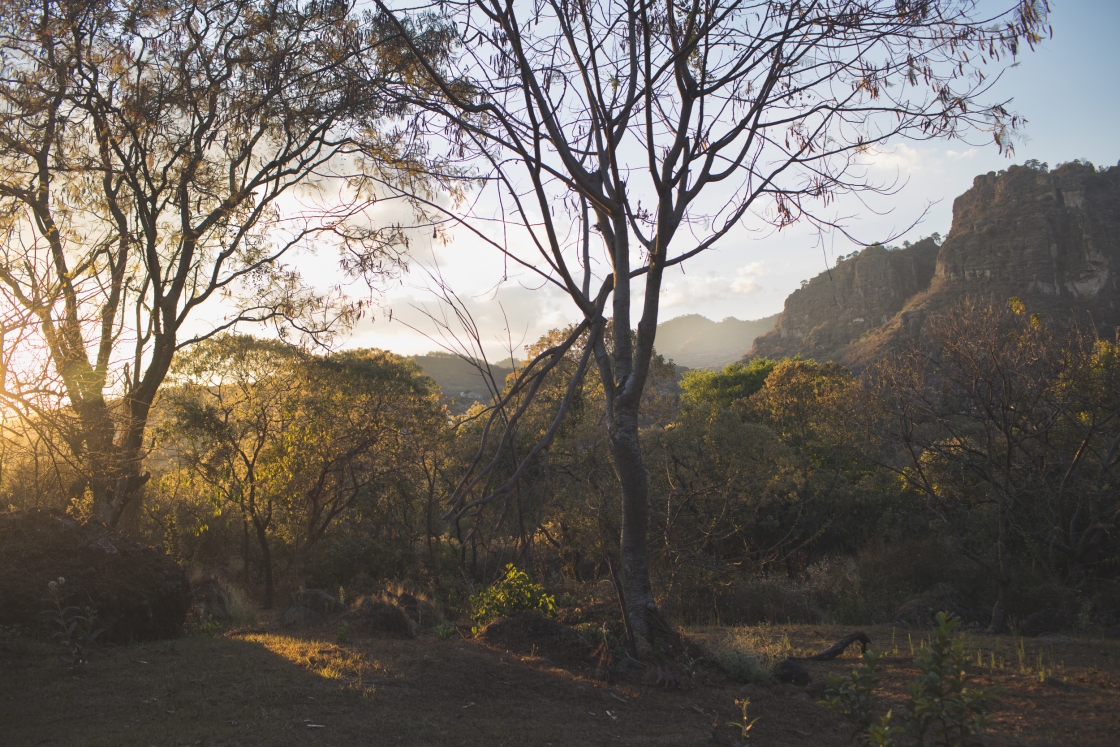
(841, 645)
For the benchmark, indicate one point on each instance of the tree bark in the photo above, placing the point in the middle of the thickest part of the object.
(634, 483)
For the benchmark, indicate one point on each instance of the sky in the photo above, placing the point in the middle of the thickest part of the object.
(1068, 90)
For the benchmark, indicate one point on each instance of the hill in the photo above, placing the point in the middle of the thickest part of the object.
(1050, 238)
(695, 341)
(460, 381)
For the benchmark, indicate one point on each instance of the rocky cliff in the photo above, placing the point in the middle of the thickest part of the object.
(1052, 238)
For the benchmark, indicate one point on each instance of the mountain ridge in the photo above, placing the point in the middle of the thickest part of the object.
(1050, 238)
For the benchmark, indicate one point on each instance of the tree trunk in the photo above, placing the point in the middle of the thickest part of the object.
(999, 611)
(266, 565)
(634, 481)
(1003, 574)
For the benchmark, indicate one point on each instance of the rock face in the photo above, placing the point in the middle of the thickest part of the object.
(1050, 238)
(137, 592)
(860, 294)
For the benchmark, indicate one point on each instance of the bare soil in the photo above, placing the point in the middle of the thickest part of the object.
(308, 688)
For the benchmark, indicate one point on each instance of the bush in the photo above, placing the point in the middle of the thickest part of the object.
(512, 593)
(940, 710)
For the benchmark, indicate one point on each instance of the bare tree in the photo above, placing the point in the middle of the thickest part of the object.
(159, 158)
(620, 138)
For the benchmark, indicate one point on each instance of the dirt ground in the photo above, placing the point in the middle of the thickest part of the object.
(273, 689)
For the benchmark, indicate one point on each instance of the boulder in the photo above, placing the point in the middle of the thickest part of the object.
(319, 601)
(791, 672)
(921, 611)
(528, 632)
(309, 608)
(211, 599)
(379, 619)
(136, 592)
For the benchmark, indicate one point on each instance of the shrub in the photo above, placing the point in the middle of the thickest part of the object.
(512, 593)
(940, 710)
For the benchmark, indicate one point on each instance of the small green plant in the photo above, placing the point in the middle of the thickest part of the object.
(446, 631)
(342, 635)
(512, 593)
(75, 631)
(940, 710)
(209, 626)
(746, 724)
(11, 639)
(854, 700)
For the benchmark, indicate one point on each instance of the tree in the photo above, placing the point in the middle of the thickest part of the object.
(655, 128)
(161, 158)
(293, 441)
(359, 420)
(235, 398)
(973, 410)
(722, 388)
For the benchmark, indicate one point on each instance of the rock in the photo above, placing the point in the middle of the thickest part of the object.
(1050, 238)
(792, 673)
(420, 611)
(1047, 622)
(526, 632)
(136, 592)
(921, 611)
(379, 619)
(838, 307)
(211, 599)
(318, 600)
(752, 691)
(299, 617)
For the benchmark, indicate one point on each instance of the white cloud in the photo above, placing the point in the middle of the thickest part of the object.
(690, 289)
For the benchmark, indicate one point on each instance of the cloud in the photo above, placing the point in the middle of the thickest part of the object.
(704, 287)
(414, 320)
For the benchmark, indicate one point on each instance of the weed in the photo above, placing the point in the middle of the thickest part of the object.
(11, 639)
(512, 593)
(853, 700)
(76, 632)
(209, 627)
(342, 635)
(446, 631)
(746, 724)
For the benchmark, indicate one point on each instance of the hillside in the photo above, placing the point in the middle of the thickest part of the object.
(460, 381)
(695, 341)
(1051, 238)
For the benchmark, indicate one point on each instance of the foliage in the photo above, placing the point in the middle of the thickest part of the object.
(161, 181)
(940, 710)
(854, 701)
(446, 631)
(512, 593)
(746, 723)
(76, 631)
(719, 389)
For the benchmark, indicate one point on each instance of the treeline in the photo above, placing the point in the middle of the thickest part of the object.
(982, 457)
